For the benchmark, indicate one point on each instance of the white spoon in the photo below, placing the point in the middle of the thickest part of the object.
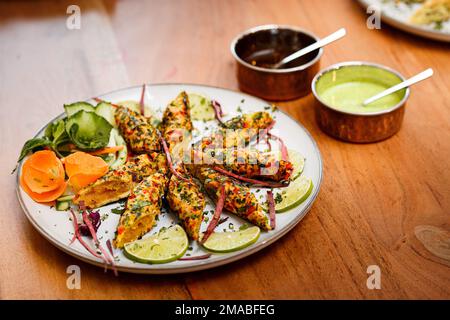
(316, 45)
(417, 78)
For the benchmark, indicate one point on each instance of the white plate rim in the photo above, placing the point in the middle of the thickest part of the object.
(198, 264)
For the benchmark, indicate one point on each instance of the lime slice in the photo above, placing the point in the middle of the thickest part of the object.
(232, 241)
(201, 109)
(292, 196)
(298, 190)
(165, 246)
(134, 105)
(298, 161)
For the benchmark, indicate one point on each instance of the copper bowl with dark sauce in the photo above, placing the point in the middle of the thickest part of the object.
(257, 49)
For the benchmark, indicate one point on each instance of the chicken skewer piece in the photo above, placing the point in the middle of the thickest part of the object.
(176, 125)
(142, 208)
(237, 132)
(239, 200)
(184, 197)
(117, 184)
(137, 131)
(246, 163)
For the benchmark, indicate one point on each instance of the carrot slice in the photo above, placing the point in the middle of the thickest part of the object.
(41, 160)
(81, 180)
(39, 181)
(46, 196)
(82, 162)
(43, 172)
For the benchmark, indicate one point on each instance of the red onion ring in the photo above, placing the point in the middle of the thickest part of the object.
(252, 181)
(217, 212)
(218, 111)
(101, 100)
(272, 214)
(284, 151)
(106, 256)
(141, 102)
(169, 160)
(78, 236)
(202, 257)
(110, 248)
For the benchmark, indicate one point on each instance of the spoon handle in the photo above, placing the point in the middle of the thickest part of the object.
(316, 45)
(417, 78)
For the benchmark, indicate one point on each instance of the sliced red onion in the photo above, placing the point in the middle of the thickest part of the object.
(284, 151)
(255, 182)
(101, 100)
(105, 256)
(217, 105)
(265, 132)
(141, 102)
(169, 161)
(217, 212)
(94, 216)
(272, 214)
(218, 111)
(202, 257)
(269, 146)
(80, 239)
(110, 248)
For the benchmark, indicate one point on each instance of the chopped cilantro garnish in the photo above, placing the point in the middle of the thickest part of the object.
(244, 226)
(118, 210)
(278, 198)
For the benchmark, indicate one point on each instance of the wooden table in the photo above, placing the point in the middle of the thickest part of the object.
(372, 198)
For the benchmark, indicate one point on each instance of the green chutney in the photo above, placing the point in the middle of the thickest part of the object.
(347, 87)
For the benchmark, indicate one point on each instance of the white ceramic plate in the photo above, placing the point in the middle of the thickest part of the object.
(58, 229)
(398, 16)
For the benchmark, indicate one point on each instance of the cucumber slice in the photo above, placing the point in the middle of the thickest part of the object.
(77, 106)
(62, 205)
(88, 131)
(110, 158)
(65, 198)
(106, 110)
(122, 155)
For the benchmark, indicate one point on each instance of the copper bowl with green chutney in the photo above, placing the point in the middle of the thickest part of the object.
(340, 90)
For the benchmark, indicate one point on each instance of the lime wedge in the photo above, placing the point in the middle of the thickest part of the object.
(232, 241)
(298, 190)
(134, 105)
(298, 161)
(201, 109)
(292, 196)
(165, 246)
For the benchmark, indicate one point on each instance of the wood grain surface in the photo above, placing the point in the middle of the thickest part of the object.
(373, 196)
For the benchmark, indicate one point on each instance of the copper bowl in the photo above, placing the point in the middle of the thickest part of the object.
(259, 47)
(358, 127)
